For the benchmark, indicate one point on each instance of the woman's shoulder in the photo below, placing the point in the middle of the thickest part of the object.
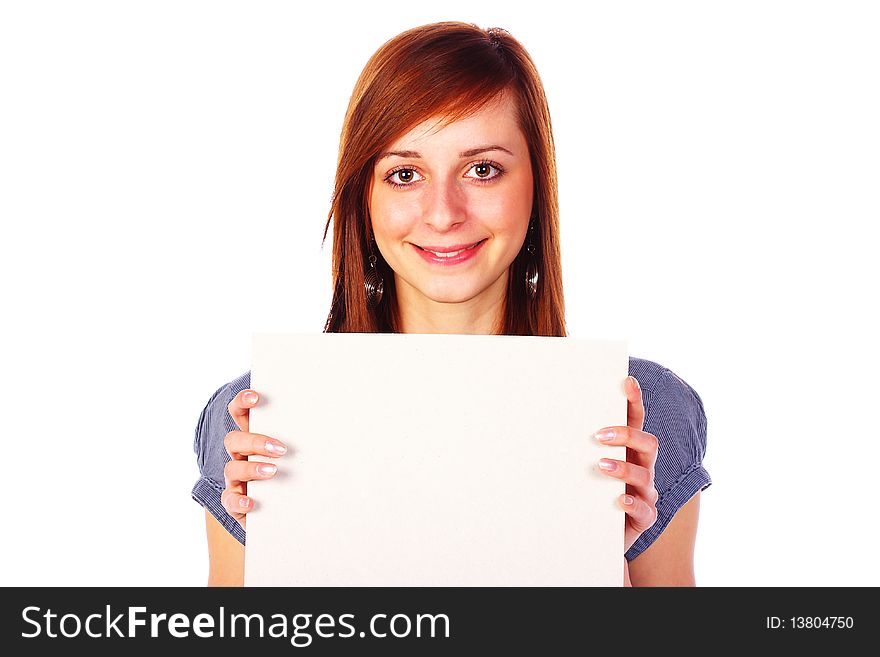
(657, 380)
(674, 413)
(213, 425)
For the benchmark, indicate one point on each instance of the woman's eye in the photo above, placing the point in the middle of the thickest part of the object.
(405, 176)
(484, 171)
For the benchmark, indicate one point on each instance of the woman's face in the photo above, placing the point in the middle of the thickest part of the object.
(445, 190)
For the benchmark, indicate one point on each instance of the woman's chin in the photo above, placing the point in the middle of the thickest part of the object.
(461, 290)
(448, 292)
(451, 296)
(451, 289)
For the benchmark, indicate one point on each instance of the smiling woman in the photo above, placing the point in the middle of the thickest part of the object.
(445, 220)
(446, 144)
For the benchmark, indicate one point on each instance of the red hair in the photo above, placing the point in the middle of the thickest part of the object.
(447, 69)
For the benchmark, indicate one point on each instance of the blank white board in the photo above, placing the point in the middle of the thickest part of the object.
(436, 460)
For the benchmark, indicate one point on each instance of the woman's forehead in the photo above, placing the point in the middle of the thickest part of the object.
(496, 121)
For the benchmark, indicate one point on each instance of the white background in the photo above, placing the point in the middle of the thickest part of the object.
(165, 176)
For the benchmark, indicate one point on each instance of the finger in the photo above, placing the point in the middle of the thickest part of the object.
(630, 473)
(240, 406)
(635, 408)
(238, 472)
(240, 445)
(637, 440)
(235, 503)
(638, 479)
(642, 515)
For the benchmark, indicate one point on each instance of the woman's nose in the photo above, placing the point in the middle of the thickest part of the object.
(445, 206)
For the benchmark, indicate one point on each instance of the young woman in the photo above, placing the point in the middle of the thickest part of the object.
(445, 220)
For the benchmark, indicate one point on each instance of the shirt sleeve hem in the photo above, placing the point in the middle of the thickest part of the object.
(695, 479)
(206, 493)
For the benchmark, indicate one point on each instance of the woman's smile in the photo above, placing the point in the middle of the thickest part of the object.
(442, 257)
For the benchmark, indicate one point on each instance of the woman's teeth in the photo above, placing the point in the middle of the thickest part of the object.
(451, 254)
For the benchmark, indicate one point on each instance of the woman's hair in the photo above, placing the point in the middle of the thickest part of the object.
(448, 70)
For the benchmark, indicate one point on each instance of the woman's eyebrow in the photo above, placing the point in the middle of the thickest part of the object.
(468, 153)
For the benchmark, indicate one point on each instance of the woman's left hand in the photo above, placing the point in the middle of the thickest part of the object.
(640, 499)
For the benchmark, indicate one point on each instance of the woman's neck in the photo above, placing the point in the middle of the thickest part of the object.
(481, 315)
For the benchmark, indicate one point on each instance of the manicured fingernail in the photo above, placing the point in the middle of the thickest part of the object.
(275, 448)
(627, 500)
(266, 469)
(605, 435)
(609, 466)
(250, 398)
(244, 502)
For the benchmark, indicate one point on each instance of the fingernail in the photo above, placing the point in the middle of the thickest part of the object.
(275, 448)
(243, 502)
(605, 435)
(250, 398)
(266, 469)
(635, 382)
(627, 500)
(609, 466)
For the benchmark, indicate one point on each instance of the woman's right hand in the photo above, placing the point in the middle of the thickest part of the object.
(241, 444)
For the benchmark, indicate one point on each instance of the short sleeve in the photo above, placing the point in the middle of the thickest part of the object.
(211, 455)
(674, 413)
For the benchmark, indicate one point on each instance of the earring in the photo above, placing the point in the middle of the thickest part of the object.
(532, 266)
(373, 283)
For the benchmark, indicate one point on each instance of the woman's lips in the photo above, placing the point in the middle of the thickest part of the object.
(450, 255)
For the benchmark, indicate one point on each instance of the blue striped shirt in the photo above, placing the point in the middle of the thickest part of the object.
(673, 412)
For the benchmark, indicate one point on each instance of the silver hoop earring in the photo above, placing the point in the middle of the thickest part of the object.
(532, 266)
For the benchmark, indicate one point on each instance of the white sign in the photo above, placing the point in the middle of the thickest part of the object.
(436, 460)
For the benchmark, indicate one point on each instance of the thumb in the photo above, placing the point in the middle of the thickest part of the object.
(635, 407)
(240, 406)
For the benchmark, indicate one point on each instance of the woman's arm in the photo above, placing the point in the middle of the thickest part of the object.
(669, 561)
(225, 555)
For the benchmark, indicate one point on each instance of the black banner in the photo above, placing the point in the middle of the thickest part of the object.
(432, 621)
